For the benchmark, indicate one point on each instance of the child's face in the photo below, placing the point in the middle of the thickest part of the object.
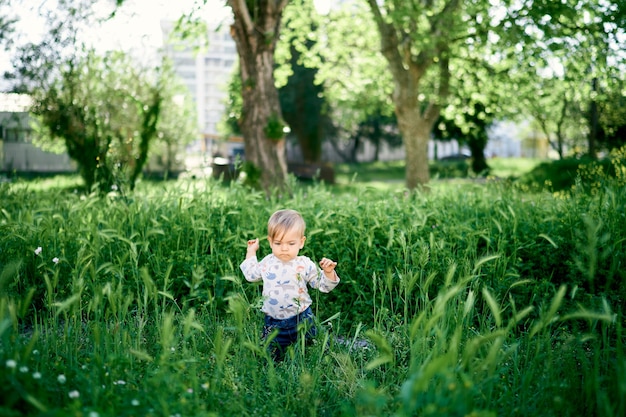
(287, 246)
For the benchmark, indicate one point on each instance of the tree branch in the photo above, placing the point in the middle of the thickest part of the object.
(388, 39)
(241, 9)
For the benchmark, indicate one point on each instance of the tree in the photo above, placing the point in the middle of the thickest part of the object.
(613, 119)
(302, 105)
(567, 55)
(554, 103)
(255, 30)
(177, 126)
(469, 128)
(7, 22)
(106, 112)
(416, 37)
(442, 55)
(426, 43)
(353, 79)
(550, 104)
(478, 96)
(229, 125)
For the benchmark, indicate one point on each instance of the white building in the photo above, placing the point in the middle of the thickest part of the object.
(206, 72)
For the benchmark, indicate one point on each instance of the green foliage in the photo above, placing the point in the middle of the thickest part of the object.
(7, 22)
(612, 117)
(560, 175)
(469, 127)
(229, 125)
(252, 175)
(473, 299)
(275, 128)
(106, 110)
(346, 67)
(301, 99)
(563, 174)
(450, 169)
(567, 82)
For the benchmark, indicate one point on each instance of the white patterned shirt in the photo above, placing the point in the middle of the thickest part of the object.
(285, 292)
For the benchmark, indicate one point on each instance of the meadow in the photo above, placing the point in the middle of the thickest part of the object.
(475, 298)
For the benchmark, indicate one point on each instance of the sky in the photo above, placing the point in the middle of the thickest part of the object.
(136, 25)
(138, 21)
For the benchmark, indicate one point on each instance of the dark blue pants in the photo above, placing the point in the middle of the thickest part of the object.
(288, 331)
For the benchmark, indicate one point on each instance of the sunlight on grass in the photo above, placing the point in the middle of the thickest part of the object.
(512, 167)
(68, 182)
(393, 171)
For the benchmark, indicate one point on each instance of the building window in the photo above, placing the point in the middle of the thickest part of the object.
(16, 135)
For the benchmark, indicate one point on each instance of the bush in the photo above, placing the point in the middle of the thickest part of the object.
(562, 174)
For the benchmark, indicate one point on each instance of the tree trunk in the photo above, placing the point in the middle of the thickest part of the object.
(479, 162)
(416, 134)
(559, 127)
(415, 127)
(355, 148)
(150, 118)
(593, 121)
(255, 36)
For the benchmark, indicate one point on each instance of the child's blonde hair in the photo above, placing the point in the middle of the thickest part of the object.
(282, 221)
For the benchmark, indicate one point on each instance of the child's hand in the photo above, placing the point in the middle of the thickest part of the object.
(253, 246)
(328, 266)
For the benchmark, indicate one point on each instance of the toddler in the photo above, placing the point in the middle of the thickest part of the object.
(285, 275)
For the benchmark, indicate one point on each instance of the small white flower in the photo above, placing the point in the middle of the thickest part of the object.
(135, 402)
(35, 352)
(23, 369)
(190, 390)
(36, 375)
(73, 394)
(10, 363)
(120, 382)
(114, 187)
(205, 386)
(93, 414)
(38, 251)
(55, 260)
(62, 379)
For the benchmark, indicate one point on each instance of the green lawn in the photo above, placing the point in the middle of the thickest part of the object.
(390, 176)
(394, 170)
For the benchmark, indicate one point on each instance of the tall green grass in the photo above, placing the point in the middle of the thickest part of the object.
(468, 300)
